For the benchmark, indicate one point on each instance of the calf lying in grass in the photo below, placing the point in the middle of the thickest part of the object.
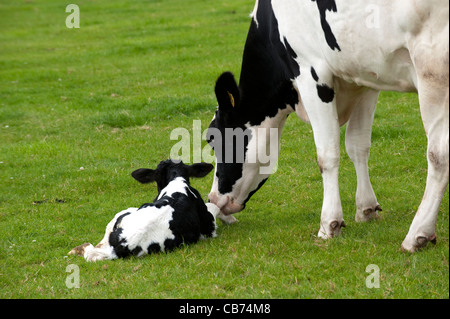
(178, 215)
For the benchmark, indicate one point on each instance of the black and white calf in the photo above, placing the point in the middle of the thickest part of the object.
(178, 215)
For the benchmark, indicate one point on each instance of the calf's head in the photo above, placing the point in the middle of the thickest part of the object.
(168, 170)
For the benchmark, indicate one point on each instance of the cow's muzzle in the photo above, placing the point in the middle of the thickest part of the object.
(226, 203)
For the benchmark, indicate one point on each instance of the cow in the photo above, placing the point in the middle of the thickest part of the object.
(327, 61)
(177, 216)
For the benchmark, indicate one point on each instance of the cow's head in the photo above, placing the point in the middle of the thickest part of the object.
(246, 149)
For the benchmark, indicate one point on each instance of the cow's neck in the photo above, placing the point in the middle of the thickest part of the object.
(268, 70)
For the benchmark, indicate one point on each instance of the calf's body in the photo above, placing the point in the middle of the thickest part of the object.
(177, 216)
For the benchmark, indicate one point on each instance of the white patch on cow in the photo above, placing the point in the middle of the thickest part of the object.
(215, 212)
(94, 254)
(253, 14)
(103, 251)
(390, 68)
(110, 226)
(147, 226)
(178, 185)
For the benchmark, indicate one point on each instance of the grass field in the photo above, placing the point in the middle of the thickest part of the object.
(81, 108)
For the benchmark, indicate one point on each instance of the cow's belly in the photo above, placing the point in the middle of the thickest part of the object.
(390, 72)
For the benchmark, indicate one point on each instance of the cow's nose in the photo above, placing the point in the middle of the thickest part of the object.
(212, 198)
(219, 201)
(232, 207)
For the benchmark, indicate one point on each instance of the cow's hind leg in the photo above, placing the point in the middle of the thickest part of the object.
(432, 68)
(434, 106)
(361, 103)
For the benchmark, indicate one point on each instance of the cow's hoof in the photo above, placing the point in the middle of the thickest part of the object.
(331, 230)
(365, 215)
(418, 243)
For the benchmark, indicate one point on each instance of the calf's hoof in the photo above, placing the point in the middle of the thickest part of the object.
(79, 250)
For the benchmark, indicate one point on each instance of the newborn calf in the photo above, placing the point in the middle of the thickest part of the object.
(178, 215)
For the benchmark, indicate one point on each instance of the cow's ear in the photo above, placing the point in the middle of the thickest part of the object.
(227, 92)
(144, 175)
(199, 169)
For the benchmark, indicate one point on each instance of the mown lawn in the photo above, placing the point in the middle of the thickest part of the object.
(81, 108)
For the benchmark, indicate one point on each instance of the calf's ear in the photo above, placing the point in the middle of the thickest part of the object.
(199, 169)
(227, 92)
(144, 175)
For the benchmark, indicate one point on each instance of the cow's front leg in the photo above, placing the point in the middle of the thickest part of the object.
(318, 98)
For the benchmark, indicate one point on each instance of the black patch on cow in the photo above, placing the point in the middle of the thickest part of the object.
(190, 219)
(207, 225)
(171, 244)
(119, 219)
(228, 174)
(185, 221)
(146, 205)
(136, 251)
(324, 6)
(314, 75)
(268, 68)
(120, 245)
(158, 203)
(325, 93)
(153, 248)
(291, 56)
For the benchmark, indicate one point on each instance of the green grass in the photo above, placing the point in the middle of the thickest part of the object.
(105, 97)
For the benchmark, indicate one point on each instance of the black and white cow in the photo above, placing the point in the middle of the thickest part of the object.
(327, 60)
(177, 216)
